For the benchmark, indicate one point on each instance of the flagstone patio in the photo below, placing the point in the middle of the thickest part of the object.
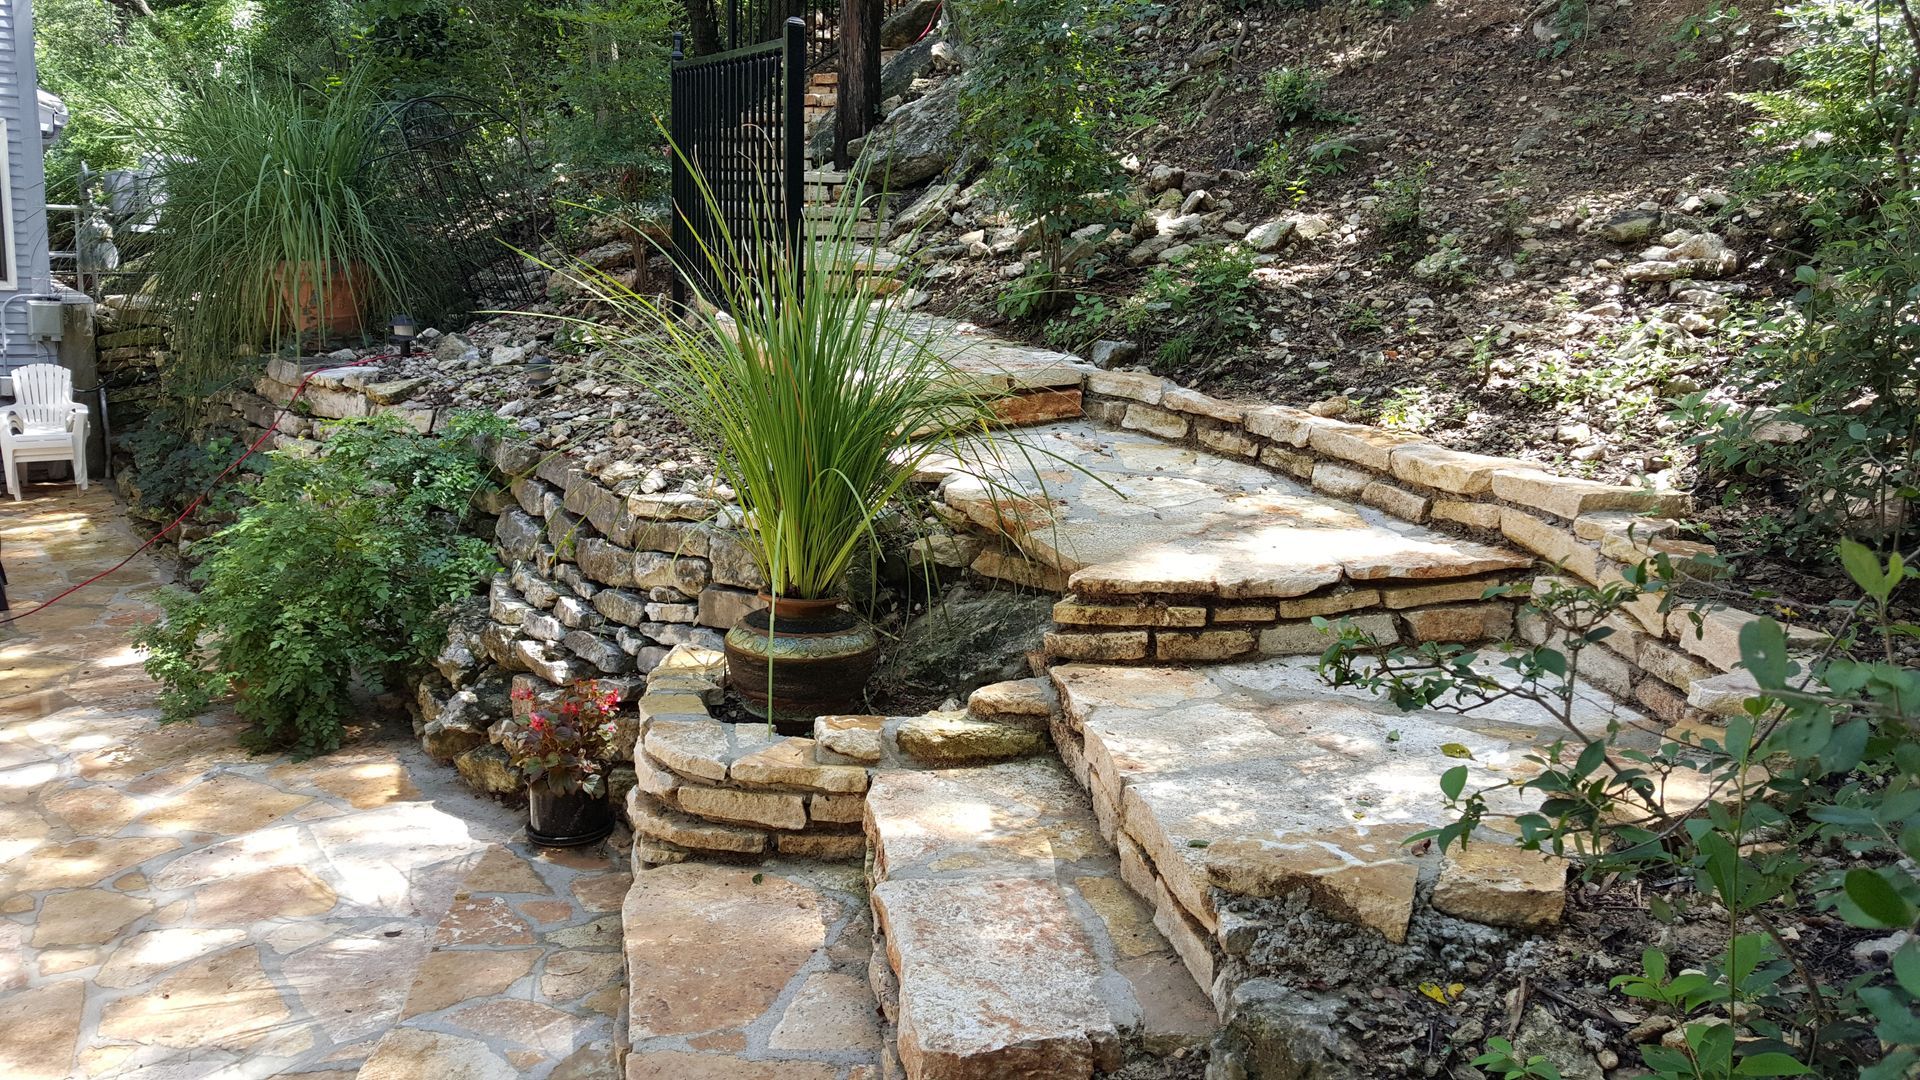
(172, 907)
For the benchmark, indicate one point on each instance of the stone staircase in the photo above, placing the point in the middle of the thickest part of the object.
(1006, 943)
(1173, 553)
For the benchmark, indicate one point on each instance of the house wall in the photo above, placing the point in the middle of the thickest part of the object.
(26, 177)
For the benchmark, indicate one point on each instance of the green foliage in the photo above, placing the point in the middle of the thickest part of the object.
(1840, 365)
(566, 748)
(1501, 1060)
(331, 576)
(1039, 105)
(174, 466)
(1294, 95)
(1201, 303)
(272, 197)
(1084, 323)
(1402, 207)
(1290, 164)
(1572, 22)
(816, 398)
(1839, 796)
(1711, 31)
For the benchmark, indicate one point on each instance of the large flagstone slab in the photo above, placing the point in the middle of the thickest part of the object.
(1126, 514)
(1255, 779)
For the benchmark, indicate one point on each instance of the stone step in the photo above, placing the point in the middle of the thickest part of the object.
(756, 972)
(1175, 553)
(1256, 780)
(1011, 946)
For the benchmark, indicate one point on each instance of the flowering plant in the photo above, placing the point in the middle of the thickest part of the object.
(566, 748)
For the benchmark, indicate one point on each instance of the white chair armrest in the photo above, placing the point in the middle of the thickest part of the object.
(77, 416)
(10, 418)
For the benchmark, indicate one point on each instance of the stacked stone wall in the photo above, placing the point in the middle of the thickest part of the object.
(1679, 664)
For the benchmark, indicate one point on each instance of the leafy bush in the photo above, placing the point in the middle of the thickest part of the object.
(1294, 95)
(1203, 302)
(173, 466)
(1290, 164)
(1038, 105)
(1812, 811)
(1401, 209)
(331, 576)
(1835, 375)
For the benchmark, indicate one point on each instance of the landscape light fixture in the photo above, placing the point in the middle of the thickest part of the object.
(402, 334)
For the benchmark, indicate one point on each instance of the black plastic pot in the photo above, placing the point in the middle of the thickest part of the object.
(571, 820)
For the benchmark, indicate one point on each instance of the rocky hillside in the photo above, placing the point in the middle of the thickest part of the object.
(1516, 231)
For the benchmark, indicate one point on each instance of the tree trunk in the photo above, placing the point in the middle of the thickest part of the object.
(703, 27)
(859, 94)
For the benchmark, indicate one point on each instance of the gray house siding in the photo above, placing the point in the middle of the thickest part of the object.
(26, 177)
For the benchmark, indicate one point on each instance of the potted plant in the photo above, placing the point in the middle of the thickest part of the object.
(279, 219)
(819, 403)
(564, 753)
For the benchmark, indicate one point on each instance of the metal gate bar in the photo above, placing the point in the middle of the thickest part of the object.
(737, 123)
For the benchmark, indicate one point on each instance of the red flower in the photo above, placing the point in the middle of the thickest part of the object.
(538, 723)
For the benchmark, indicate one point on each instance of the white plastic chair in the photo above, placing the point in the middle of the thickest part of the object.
(43, 424)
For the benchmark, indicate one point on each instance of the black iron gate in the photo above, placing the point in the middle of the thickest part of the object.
(738, 129)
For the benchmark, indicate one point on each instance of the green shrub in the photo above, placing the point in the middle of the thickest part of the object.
(1813, 813)
(1401, 210)
(1294, 95)
(1837, 370)
(1203, 302)
(331, 577)
(1290, 164)
(1039, 105)
(173, 465)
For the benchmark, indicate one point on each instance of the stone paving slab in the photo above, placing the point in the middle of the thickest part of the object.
(752, 970)
(172, 907)
(1122, 513)
(1256, 779)
(1011, 945)
(525, 977)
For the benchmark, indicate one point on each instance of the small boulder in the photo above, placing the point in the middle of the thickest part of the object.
(1268, 236)
(1631, 226)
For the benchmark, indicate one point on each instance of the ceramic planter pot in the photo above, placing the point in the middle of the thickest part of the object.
(820, 656)
(346, 292)
(573, 819)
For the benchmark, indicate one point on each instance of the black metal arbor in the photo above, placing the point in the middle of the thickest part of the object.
(480, 194)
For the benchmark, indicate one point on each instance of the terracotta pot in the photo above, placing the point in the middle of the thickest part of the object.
(348, 289)
(820, 655)
(573, 819)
